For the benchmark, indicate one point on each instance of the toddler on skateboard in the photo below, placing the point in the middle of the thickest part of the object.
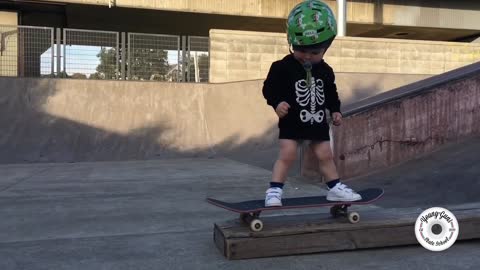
(300, 88)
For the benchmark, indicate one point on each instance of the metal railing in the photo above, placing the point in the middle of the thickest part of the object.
(153, 57)
(27, 51)
(198, 59)
(90, 54)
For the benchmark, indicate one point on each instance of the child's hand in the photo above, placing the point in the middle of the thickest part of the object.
(282, 109)
(337, 118)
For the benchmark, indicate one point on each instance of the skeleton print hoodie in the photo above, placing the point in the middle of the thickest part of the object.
(306, 118)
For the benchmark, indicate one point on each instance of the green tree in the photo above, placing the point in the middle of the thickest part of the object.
(107, 67)
(144, 64)
(148, 64)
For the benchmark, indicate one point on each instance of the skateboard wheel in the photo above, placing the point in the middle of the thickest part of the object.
(353, 217)
(256, 225)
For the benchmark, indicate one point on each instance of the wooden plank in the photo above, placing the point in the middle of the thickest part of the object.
(219, 239)
(302, 234)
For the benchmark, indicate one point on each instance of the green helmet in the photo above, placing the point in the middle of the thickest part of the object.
(311, 23)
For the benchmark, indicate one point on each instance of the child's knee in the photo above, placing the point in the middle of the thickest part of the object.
(288, 151)
(288, 155)
(323, 152)
(325, 156)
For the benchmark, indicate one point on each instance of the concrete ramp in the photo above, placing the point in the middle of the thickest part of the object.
(448, 177)
(85, 120)
(399, 125)
(304, 234)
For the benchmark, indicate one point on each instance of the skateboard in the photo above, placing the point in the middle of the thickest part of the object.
(250, 210)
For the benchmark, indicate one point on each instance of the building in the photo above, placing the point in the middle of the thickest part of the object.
(131, 30)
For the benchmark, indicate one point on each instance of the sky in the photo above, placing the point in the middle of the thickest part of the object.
(83, 59)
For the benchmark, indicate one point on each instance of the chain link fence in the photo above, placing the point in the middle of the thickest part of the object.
(27, 51)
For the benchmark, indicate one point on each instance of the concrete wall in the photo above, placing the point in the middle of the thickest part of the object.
(461, 14)
(8, 18)
(81, 120)
(399, 130)
(8, 43)
(411, 19)
(242, 55)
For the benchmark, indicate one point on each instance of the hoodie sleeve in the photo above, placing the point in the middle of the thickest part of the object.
(272, 86)
(332, 100)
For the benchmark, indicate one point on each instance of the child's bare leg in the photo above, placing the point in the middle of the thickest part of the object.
(326, 163)
(287, 156)
(337, 190)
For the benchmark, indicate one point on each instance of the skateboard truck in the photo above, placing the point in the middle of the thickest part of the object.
(256, 225)
(252, 219)
(342, 210)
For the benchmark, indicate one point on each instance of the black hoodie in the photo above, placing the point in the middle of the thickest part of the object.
(306, 118)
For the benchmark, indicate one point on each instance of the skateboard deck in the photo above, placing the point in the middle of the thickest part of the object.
(368, 196)
(250, 210)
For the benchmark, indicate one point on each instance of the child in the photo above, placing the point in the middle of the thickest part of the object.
(300, 87)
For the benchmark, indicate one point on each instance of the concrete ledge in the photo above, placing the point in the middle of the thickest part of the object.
(411, 90)
(303, 234)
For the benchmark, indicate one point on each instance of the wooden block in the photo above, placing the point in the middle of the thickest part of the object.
(312, 233)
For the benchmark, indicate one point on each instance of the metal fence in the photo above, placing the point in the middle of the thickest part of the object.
(27, 51)
(153, 57)
(91, 54)
(198, 59)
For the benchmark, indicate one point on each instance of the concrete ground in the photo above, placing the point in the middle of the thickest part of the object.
(153, 214)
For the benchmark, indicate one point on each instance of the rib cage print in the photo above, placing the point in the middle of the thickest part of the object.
(312, 97)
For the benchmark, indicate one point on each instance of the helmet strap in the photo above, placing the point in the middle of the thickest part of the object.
(290, 48)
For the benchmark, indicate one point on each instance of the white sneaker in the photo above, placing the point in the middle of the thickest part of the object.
(274, 197)
(341, 192)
